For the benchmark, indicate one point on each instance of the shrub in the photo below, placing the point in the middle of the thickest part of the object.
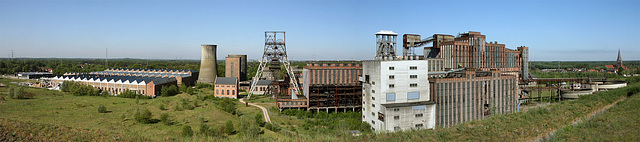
(272, 127)
(104, 93)
(102, 109)
(78, 89)
(16, 93)
(187, 131)
(164, 118)
(169, 91)
(162, 107)
(178, 107)
(259, 119)
(228, 127)
(143, 116)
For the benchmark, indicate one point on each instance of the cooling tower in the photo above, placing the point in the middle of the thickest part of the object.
(243, 66)
(208, 64)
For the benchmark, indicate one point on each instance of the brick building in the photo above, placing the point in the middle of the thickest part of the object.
(226, 87)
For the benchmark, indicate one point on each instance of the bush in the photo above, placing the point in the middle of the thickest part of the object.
(187, 131)
(132, 94)
(259, 119)
(272, 127)
(143, 116)
(228, 127)
(102, 109)
(164, 118)
(16, 93)
(79, 89)
(162, 107)
(169, 91)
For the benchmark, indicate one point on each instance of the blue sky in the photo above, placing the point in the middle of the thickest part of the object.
(316, 30)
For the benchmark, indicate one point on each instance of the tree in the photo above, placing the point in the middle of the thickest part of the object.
(102, 109)
(169, 91)
(187, 131)
(17, 93)
(228, 127)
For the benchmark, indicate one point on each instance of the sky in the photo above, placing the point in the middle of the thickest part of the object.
(554, 30)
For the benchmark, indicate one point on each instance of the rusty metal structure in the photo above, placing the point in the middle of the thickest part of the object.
(275, 58)
(333, 86)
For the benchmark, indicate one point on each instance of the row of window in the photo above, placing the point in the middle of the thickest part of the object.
(410, 68)
(410, 76)
(410, 96)
(233, 92)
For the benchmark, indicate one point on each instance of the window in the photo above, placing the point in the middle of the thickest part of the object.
(391, 86)
(413, 68)
(233, 92)
(396, 117)
(392, 68)
(373, 114)
(373, 105)
(396, 109)
(373, 122)
(413, 76)
(420, 107)
(373, 98)
(373, 91)
(373, 82)
(396, 128)
(413, 95)
(391, 96)
(419, 125)
(419, 115)
(392, 77)
(413, 85)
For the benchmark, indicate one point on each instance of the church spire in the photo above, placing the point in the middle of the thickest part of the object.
(619, 61)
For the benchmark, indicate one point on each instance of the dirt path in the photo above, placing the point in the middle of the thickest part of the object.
(265, 113)
(549, 136)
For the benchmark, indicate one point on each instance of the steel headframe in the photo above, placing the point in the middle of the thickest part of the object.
(275, 49)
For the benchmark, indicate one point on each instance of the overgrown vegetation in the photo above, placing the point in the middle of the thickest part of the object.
(143, 116)
(79, 89)
(619, 123)
(226, 104)
(169, 91)
(102, 109)
(17, 93)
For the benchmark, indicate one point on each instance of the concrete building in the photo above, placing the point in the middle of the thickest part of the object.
(333, 86)
(226, 87)
(396, 90)
(471, 95)
(396, 95)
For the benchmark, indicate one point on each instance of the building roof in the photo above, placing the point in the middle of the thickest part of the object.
(138, 79)
(383, 32)
(226, 80)
(263, 82)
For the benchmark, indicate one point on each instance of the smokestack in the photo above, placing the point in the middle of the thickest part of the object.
(208, 64)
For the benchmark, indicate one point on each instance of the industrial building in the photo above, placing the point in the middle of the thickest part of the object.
(470, 50)
(333, 85)
(149, 86)
(143, 81)
(471, 95)
(236, 66)
(470, 78)
(34, 75)
(226, 87)
(396, 90)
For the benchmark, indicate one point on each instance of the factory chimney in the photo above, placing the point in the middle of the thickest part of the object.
(208, 64)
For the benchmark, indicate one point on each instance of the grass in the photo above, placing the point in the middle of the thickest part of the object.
(80, 112)
(619, 123)
(73, 117)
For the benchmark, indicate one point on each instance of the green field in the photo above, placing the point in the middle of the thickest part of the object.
(52, 114)
(620, 123)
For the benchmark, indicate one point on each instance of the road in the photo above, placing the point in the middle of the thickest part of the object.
(265, 113)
